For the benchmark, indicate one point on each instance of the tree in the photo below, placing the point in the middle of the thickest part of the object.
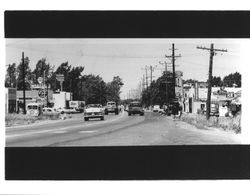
(156, 93)
(64, 69)
(231, 79)
(11, 74)
(42, 69)
(114, 89)
(28, 74)
(74, 81)
(216, 81)
(93, 89)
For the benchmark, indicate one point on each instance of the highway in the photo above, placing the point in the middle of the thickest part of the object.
(115, 130)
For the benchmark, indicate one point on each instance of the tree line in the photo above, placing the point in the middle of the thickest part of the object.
(89, 88)
(157, 94)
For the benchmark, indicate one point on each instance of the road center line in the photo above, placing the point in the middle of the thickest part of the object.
(65, 128)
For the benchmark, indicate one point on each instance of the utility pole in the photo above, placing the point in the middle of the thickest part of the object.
(10, 75)
(143, 82)
(24, 100)
(146, 79)
(212, 53)
(44, 92)
(151, 73)
(173, 58)
(166, 67)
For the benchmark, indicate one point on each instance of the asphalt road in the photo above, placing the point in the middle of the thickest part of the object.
(121, 130)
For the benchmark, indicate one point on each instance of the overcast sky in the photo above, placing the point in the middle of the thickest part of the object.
(127, 57)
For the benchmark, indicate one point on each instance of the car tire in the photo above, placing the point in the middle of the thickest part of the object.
(102, 118)
(129, 114)
(142, 114)
(86, 119)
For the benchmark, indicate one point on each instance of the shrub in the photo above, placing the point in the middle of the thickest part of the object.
(226, 123)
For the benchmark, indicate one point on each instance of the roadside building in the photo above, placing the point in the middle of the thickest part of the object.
(179, 93)
(62, 99)
(195, 97)
(10, 100)
(32, 96)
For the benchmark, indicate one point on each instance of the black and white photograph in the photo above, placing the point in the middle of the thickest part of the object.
(125, 95)
(123, 92)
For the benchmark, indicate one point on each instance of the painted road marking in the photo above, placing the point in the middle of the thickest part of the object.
(65, 128)
(87, 131)
(59, 132)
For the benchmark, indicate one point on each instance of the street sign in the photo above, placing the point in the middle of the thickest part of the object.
(60, 77)
(40, 80)
(42, 93)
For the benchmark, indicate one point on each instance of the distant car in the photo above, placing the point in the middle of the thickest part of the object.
(49, 111)
(135, 108)
(93, 111)
(156, 108)
(172, 108)
(67, 110)
(111, 107)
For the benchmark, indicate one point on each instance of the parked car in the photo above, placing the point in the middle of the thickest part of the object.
(172, 108)
(67, 110)
(51, 112)
(34, 109)
(111, 107)
(156, 108)
(135, 108)
(93, 111)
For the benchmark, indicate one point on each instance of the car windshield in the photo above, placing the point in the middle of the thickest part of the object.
(135, 105)
(34, 107)
(94, 106)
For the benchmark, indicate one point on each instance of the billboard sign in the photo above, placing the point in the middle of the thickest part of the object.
(60, 77)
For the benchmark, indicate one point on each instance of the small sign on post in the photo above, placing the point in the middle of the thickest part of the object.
(60, 78)
(42, 93)
(40, 80)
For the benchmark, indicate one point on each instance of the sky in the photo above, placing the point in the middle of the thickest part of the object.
(128, 58)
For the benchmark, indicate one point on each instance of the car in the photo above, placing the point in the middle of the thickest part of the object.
(172, 108)
(66, 110)
(156, 108)
(111, 107)
(135, 108)
(34, 109)
(93, 111)
(49, 111)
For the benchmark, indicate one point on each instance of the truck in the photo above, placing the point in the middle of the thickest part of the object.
(111, 107)
(77, 105)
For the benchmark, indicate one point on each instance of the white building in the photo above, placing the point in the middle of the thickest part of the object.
(195, 97)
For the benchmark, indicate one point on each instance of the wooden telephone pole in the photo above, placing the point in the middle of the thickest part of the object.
(24, 100)
(166, 68)
(173, 58)
(212, 53)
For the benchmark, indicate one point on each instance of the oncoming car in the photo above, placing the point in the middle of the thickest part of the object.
(111, 108)
(135, 108)
(93, 111)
